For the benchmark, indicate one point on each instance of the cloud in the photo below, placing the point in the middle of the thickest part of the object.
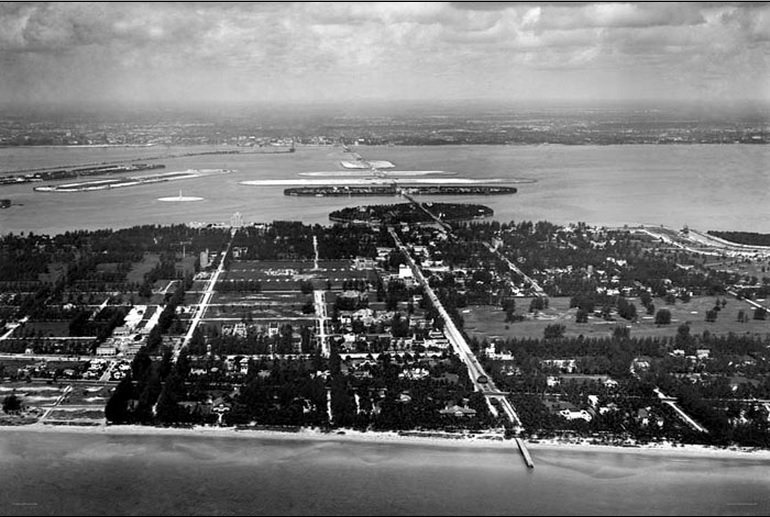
(310, 51)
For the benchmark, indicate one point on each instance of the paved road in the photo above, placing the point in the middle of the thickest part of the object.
(14, 326)
(203, 305)
(320, 310)
(99, 309)
(513, 267)
(670, 401)
(50, 408)
(750, 302)
(475, 370)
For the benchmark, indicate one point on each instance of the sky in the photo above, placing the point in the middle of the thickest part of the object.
(200, 52)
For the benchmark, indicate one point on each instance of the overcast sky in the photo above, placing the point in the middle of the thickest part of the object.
(257, 52)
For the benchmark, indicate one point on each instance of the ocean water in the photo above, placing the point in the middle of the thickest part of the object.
(83, 474)
(722, 187)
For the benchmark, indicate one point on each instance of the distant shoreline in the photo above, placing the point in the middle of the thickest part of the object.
(434, 439)
(399, 144)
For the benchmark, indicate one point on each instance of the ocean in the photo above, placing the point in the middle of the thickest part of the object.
(707, 187)
(88, 474)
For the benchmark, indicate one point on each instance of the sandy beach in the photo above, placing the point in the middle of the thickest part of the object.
(486, 440)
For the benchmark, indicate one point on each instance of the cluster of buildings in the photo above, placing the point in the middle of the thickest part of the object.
(127, 339)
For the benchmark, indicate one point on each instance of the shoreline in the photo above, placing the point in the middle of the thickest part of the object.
(430, 439)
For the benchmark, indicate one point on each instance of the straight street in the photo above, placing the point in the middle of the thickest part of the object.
(479, 378)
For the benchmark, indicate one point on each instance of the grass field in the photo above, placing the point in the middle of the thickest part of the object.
(743, 267)
(489, 322)
(55, 271)
(287, 274)
(263, 299)
(139, 269)
(44, 328)
(78, 414)
(85, 395)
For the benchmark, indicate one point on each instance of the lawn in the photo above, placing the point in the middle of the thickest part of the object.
(489, 321)
(44, 329)
(139, 269)
(77, 414)
(743, 267)
(287, 275)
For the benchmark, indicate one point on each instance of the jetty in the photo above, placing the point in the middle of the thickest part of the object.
(180, 198)
(525, 453)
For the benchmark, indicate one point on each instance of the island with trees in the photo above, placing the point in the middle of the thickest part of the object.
(395, 190)
(409, 213)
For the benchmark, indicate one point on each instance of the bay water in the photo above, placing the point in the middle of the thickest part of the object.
(707, 187)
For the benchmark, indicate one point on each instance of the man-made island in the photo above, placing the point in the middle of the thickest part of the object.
(106, 184)
(76, 172)
(394, 190)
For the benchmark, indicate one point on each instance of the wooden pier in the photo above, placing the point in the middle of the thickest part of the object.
(525, 453)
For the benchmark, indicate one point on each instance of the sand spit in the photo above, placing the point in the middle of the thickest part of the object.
(180, 199)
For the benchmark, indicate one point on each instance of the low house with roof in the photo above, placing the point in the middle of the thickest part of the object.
(579, 378)
(566, 410)
(415, 374)
(491, 353)
(107, 349)
(579, 414)
(364, 263)
(458, 411)
(552, 381)
(640, 364)
(565, 365)
(449, 378)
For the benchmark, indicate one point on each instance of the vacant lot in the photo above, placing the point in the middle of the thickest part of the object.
(287, 275)
(83, 395)
(262, 300)
(43, 329)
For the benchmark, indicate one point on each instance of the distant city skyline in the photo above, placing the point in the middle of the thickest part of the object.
(62, 53)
